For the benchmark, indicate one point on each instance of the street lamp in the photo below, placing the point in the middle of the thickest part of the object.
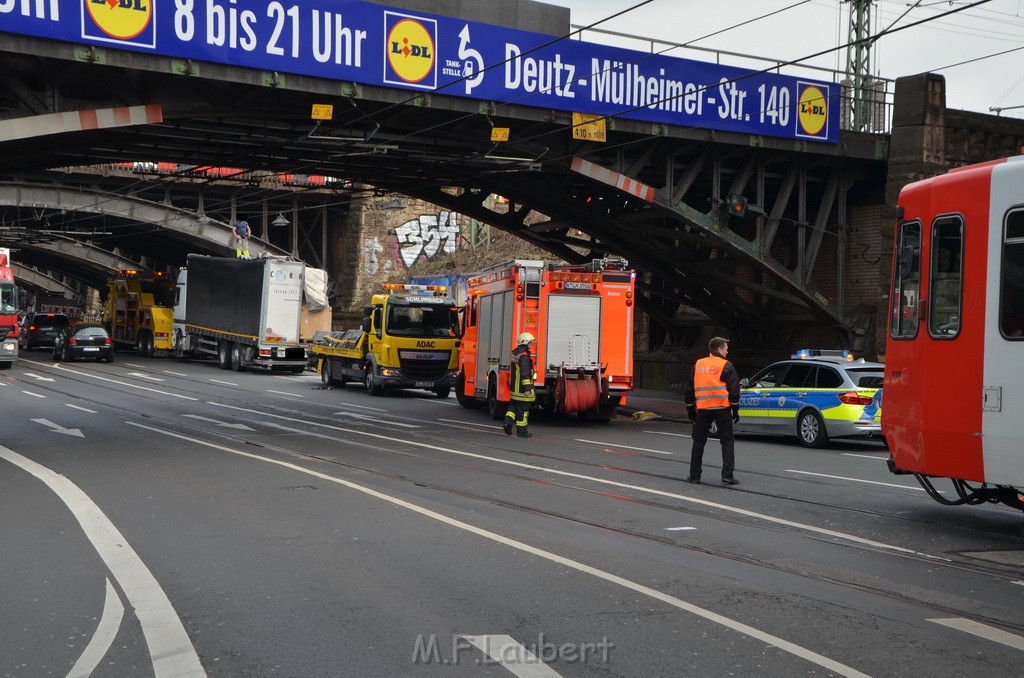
(279, 220)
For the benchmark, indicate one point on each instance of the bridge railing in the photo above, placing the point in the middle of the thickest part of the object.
(869, 112)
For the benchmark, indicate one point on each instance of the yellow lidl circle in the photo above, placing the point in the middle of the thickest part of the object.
(121, 19)
(410, 50)
(813, 110)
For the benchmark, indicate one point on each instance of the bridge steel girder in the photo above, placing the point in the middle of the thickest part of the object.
(44, 282)
(92, 265)
(184, 224)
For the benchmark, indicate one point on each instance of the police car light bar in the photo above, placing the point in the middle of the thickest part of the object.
(822, 352)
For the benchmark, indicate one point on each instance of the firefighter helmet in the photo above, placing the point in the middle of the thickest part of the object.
(526, 338)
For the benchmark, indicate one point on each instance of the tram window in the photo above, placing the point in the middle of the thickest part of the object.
(946, 281)
(906, 287)
(1011, 282)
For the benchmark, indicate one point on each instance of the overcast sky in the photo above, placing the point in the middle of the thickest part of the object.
(813, 26)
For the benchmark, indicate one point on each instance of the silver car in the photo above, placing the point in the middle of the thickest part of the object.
(815, 397)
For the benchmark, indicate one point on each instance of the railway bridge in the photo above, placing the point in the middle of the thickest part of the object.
(743, 211)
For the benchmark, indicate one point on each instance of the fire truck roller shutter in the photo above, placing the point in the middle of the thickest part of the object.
(574, 340)
(574, 330)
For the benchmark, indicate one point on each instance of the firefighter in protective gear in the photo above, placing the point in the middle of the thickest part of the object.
(714, 396)
(520, 387)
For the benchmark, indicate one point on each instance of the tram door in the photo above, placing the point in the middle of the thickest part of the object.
(1003, 383)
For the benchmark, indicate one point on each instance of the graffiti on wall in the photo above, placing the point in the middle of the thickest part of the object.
(427, 236)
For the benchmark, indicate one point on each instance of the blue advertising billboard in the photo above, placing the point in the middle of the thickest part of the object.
(378, 45)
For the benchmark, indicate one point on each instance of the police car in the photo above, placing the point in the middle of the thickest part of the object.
(816, 395)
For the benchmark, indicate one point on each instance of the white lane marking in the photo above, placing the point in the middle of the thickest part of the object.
(134, 365)
(34, 395)
(84, 409)
(37, 377)
(375, 419)
(1018, 583)
(513, 656)
(856, 480)
(614, 483)
(106, 631)
(625, 447)
(218, 422)
(170, 649)
(126, 384)
(143, 375)
(285, 393)
(678, 603)
(438, 401)
(864, 456)
(226, 383)
(176, 374)
(366, 407)
(470, 423)
(676, 529)
(665, 433)
(983, 631)
(57, 428)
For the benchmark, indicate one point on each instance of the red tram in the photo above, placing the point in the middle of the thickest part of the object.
(954, 362)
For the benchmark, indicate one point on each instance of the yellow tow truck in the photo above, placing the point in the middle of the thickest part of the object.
(139, 311)
(408, 339)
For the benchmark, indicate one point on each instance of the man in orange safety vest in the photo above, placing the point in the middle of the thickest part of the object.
(714, 396)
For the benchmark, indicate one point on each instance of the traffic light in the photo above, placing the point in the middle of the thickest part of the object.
(737, 205)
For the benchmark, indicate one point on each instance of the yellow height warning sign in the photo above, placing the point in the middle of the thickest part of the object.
(589, 127)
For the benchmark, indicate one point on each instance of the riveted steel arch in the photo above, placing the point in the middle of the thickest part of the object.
(185, 224)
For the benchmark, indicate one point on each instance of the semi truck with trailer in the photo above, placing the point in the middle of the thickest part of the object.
(582, 318)
(243, 312)
(407, 340)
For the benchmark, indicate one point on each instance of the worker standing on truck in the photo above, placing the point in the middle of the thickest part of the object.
(240, 227)
(521, 395)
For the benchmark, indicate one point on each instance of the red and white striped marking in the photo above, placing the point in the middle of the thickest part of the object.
(77, 121)
(619, 181)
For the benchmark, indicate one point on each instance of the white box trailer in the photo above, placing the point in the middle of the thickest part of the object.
(244, 312)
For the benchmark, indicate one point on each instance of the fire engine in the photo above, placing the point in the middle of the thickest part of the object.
(582, 318)
(8, 312)
(139, 311)
(954, 362)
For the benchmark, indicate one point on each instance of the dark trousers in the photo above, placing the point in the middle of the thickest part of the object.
(701, 426)
(519, 412)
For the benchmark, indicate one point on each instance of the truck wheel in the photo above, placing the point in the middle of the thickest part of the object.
(6, 365)
(467, 401)
(443, 391)
(372, 387)
(237, 357)
(145, 345)
(327, 374)
(179, 344)
(495, 408)
(224, 355)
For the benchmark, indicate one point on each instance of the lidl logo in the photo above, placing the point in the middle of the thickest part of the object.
(121, 21)
(812, 112)
(411, 50)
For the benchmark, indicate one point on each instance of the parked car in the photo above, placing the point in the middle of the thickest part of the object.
(41, 329)
(84, 341)
(816, 395)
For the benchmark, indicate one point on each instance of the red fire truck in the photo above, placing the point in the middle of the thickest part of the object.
(8, 312)
(582, 317)
(954, 360)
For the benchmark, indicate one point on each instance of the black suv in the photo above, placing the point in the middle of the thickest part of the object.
(41, 329)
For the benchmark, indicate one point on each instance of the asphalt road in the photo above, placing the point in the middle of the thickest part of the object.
(166, 518)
